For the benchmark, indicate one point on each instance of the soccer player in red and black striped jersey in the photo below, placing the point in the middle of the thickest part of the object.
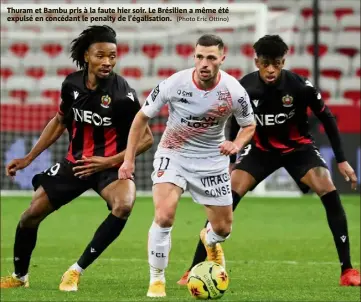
(280, 100)
(97, 109)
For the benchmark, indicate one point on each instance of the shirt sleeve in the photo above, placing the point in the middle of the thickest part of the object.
(66, 99)
(242, 110)
(158, 97)
(132, 107)
(314, 98)
(324, 114)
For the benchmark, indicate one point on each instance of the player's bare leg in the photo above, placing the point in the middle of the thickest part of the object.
(166, 196)
(25, 239)
(242, 182)
(319, 180)
(120, 196)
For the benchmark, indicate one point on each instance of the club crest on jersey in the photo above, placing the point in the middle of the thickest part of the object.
(287, 101)
(160, 173)
(105, 101)
(223, 107)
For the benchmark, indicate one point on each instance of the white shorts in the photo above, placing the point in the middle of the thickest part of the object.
(207, 179)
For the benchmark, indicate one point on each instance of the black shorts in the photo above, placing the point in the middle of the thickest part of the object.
(260, 164)
(62, 186)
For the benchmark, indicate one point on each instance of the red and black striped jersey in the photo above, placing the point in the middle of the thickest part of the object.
(98, 121)
(281, 111)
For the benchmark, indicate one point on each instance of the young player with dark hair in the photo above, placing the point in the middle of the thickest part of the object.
(193, 152)
(97, 109)
(280, 99)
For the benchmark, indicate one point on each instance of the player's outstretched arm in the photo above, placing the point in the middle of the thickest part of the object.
(53, 130)
(328, 120)
(137, 130)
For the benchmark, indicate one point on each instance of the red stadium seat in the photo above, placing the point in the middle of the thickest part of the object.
(237, 66)
(35, 72)
(50, 88)
(334, 66)
(306, 8)
(184, 45)
(35, 65)
(350, 89)
(326, 43)
(152, 50)
(165, 66)
(52, 49)
(300, 64)
(134, 66)
(20, 87)
(6, 72)
(350, 23)
(154, 45)
(9, 66)
(328, 88)
(348, 43)
(20, 49)
(65, 71)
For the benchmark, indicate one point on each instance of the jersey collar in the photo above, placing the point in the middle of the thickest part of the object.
(104, 84)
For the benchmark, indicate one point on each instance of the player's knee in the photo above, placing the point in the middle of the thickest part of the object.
(122, 208)
(324, 187)
(223, 229)
(31, 218)
(164, 218)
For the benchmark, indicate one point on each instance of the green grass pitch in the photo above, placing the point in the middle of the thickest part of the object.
(280, 250)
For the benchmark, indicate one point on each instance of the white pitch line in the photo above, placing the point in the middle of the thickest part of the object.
(289, 262)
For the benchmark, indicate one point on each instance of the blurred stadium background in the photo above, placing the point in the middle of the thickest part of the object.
(35, 59)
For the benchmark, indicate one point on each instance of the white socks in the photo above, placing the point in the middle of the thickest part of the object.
(23, 278)
(159, 243)
(77, 268)
(212, 238)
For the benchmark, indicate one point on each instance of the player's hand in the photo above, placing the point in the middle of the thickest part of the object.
(228, 148)
(126, 170)
(90, 165)
(15, 165)
(348, 173)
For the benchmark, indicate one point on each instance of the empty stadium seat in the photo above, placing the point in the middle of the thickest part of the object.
(340, 8)
(350, 23)
(135, 66)
(154, 45)
(9, 66)
(300, 64)
(183, 45)
(350, 88)
(328, 88)
(326, 43)
(237, 66)
(61, 66)
(334, 66)
(327, 22)
(50, 88)
(165, 66)
(125, 46)
(20, 87)
(348, 43)
(245, 42)
(305, 8)
(36, 65)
